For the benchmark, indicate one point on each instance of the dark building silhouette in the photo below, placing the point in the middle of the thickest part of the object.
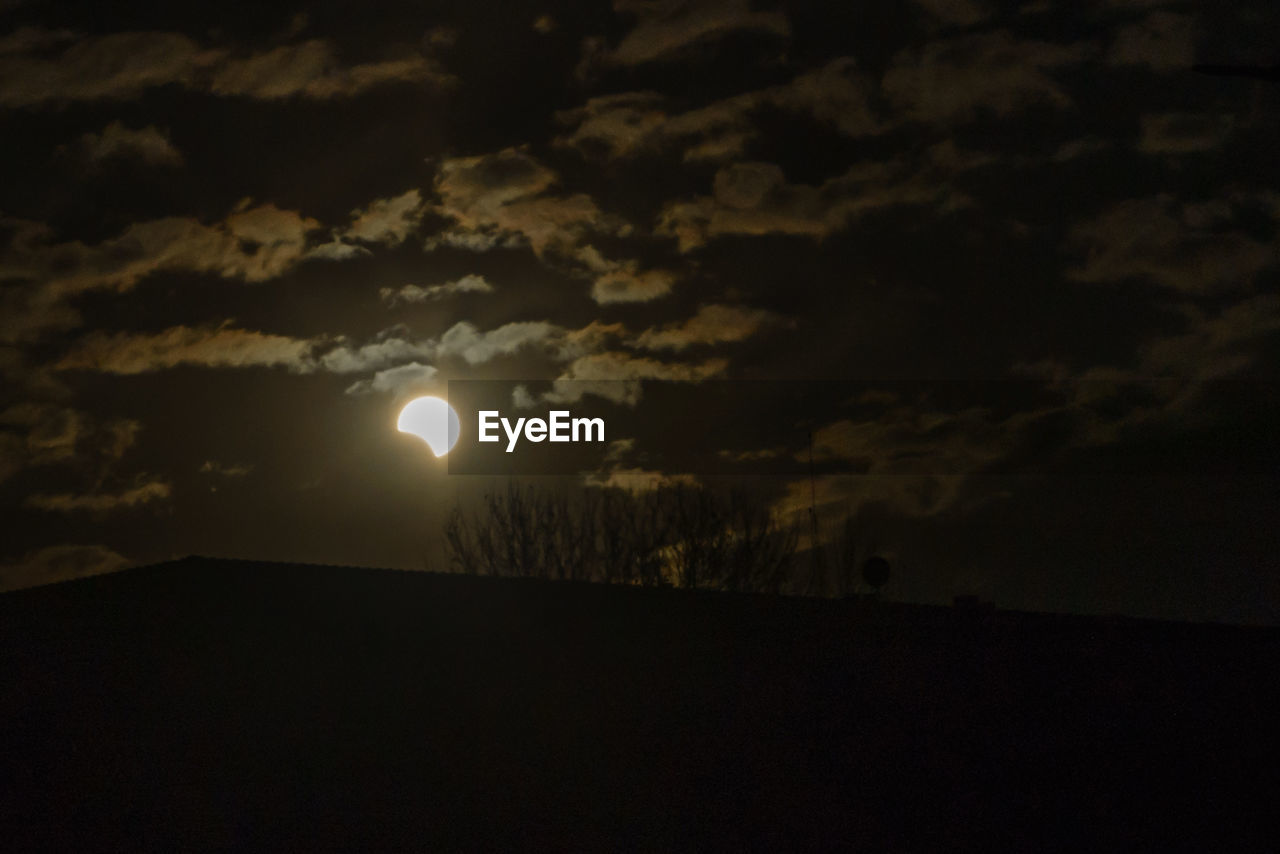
(230, 704)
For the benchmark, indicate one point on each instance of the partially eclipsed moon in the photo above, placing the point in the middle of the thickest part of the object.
(431, 420)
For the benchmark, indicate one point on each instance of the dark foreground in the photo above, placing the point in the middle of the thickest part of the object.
(209, 703)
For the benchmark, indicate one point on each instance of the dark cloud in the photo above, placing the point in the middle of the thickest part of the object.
(1163, 42)
(1183, 133)
(958, 13)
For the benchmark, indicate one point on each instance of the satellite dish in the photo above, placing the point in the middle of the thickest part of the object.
(875, 571)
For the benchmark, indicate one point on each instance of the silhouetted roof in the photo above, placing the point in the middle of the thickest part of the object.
(220, 703)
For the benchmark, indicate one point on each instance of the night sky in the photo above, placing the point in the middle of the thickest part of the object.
(236, 239)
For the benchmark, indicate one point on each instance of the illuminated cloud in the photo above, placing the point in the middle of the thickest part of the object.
(477, 187)
(389, 351)
(617, 376)
(470, 283)
(387, 221)
(465, 341)
(38, 434)
(124, 65)
(1167, 376)
(912, 439)
(755, 198)
(637, 479)
(572, 344)
(147, 492)
(222, 346)
(1183, 133)
(388, 347)
(59, 563)
(148, 144)
(614, 125)
(1214, 345)
(501, 199)
(277, 73)
(226, 469)
(398, 380)
(1197, 248)
(955, 80)
(625, 125)
(664, 28)
(911, 457)
(834, 497)
(253, 243)
(116, 65)
(713, 324)
(616, 475)
(311, 70)
(628, 284)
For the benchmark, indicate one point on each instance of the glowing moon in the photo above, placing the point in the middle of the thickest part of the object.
(431, 420)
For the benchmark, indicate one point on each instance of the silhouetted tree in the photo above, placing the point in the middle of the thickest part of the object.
(686, 536)
(846, 547)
